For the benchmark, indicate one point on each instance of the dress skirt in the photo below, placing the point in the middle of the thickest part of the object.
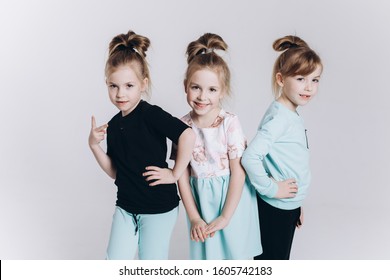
(240, 240)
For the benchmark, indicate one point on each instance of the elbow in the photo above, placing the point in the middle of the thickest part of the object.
(245, 160)
(188, 136)
(112, 174)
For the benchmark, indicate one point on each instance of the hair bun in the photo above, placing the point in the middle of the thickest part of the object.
(206, 44)
(129, 42)
(288, 42)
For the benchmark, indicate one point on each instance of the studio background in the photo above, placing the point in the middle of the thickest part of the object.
(55, 201)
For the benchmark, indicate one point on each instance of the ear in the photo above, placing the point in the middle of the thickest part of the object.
(279, 79)
(144, 85)
(223, 94)
(185, 85)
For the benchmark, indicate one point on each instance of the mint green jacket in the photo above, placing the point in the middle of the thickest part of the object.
(278, 152)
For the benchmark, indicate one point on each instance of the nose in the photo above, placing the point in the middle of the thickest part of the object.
(308, 86)
(202, 95)
(119, 92)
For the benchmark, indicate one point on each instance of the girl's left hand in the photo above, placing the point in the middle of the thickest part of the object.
(160, 175)
(218, 224)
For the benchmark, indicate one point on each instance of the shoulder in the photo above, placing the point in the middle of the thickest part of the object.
(114, 119)
(187, 119)
(278, 114)
(276, 121)
(150, 111)
(228, 118)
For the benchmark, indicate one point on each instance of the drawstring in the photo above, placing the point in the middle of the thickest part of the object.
(135, 220)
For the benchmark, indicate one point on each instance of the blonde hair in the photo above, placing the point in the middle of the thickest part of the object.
(297, 58)
(129, 49)
(201, 54)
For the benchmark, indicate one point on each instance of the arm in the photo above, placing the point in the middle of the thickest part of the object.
(197, 231)
(95, 137)
(252, 161)
(236, 183)
(184, 151)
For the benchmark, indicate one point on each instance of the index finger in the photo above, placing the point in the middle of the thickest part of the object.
(291, 181)
(93, 122)
(153, 168)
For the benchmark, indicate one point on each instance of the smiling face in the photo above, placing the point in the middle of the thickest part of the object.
(204, 92)
(298, 90)
(125, 88)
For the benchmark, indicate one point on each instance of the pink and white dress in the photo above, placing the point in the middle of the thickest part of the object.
(210, 174)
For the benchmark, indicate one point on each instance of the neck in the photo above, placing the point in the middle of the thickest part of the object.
(287, 103)
(204, 121)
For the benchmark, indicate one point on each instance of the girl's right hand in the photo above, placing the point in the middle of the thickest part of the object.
(198, 228)
(287, 189)
(97, 133)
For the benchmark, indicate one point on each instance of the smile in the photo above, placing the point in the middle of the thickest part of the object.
(200, 105)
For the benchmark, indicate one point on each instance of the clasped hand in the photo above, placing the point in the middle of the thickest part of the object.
(200, 230)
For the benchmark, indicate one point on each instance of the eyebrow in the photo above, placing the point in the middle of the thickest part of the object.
(125, 83)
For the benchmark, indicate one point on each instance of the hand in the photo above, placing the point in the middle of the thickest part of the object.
(300, 220)
(218, 224)
(197, 232)
(97, 133)
(287, 189)
(160, 175)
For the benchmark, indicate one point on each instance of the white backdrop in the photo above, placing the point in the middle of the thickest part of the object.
(55, 202)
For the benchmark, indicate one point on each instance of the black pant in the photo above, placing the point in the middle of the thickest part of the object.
(277, 229)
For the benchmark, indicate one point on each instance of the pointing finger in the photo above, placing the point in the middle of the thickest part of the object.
(93, 122)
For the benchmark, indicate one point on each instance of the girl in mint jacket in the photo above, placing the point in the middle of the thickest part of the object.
(277, 159)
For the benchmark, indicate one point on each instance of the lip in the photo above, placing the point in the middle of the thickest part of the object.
(305, 96)
(200, 105)
(121, 103)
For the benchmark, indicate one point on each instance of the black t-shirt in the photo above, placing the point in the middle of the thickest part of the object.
(134, 142)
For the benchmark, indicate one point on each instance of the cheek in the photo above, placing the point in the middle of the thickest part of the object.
(111, 94)
(190, 95)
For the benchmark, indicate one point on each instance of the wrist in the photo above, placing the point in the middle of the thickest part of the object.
(225, 217)
(94, 146)
(195, 219)
(175, 175)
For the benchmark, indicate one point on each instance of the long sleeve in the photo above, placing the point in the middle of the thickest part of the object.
(268, 133)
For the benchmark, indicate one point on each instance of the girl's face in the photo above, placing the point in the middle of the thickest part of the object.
(298, 90)
(204, 92)
(125, 88)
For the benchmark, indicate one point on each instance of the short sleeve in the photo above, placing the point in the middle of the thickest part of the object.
(164, 123)
(236, 141)
(186, 120)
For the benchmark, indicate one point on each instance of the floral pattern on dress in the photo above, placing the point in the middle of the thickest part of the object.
(216, 145)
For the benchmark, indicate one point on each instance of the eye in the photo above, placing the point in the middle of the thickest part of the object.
(213, 89)
(112, 86)
(129, 85)
(194, 87)
(300, 79)
(316, 80)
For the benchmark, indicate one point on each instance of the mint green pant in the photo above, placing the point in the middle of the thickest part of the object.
(149, 233)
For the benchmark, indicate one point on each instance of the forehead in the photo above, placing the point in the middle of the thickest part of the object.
(206, 76)
(305, 72)
(123, 72)
(317, 72)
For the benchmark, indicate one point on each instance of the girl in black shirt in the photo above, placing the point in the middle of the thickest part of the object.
(147, 200)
